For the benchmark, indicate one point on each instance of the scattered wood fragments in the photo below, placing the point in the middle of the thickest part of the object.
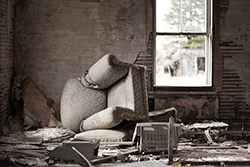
(192, 151)
(51, 134)
(31, 107)
(36, 110)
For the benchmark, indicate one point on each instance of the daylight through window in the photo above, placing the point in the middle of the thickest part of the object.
(183, 43)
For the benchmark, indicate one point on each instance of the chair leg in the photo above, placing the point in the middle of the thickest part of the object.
(170, 139)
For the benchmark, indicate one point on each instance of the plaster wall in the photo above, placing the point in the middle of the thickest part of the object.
(60, 39)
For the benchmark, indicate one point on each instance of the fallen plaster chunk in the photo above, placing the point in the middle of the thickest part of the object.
(35, 107)
(49, 134)
(207, 125)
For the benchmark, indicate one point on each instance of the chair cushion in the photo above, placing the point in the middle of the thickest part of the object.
(107, 118)
(105, 72)
(130, 92)
(104, 135)
(79, 102)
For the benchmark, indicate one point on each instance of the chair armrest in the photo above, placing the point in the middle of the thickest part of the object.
(107, 118)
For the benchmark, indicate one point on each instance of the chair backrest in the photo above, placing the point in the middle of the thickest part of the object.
(130, 92)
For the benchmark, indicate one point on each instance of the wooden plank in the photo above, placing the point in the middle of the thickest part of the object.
(235, 47)
(234, 86)
(242, 90)
(232, 93)
(229, 99)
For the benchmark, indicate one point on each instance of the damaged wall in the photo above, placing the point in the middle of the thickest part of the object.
(7, 17)
(234, 45)
(60, 39)
(236, 29)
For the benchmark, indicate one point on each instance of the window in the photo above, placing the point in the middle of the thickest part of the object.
(183, 35)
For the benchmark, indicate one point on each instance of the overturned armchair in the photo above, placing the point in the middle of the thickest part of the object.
(109, 93)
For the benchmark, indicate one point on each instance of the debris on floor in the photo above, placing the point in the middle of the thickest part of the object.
(45, 143)
(33, 107)
(51, 134)
(162, 115)
(88, 148)
(207, 125)
(192, 149)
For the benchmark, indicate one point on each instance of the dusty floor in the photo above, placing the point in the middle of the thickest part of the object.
(191, 151)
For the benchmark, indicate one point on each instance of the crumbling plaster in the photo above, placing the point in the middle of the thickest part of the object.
(60, 39)
(236, 29)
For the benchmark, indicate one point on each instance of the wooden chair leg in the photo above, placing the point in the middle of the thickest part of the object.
(170, 139)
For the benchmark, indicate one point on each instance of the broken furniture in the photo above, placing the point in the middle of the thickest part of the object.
(162, 115)
(111, 91)
(155, 135)
(211, 129)
(88, 148)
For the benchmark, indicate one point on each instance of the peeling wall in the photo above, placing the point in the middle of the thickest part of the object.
(236, 29)
(60, 39)
(190, 108)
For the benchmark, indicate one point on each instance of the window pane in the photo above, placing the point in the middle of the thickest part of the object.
(180, 60)
(193, 16)
(168, 16)
(181, 15)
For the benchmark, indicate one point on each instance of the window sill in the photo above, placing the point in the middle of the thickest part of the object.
(163, 91)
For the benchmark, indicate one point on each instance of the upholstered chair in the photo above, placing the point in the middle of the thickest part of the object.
(108, 93)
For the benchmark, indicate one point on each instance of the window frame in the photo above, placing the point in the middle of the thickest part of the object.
(208, 50)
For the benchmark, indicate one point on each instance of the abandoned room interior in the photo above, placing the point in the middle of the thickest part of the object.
(124, 83)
